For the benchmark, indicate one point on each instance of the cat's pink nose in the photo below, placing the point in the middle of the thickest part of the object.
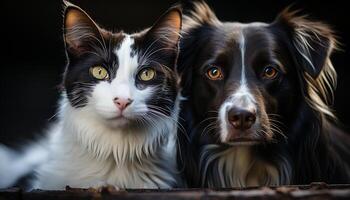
(122, 103)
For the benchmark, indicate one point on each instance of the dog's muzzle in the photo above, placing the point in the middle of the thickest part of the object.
(240, 118)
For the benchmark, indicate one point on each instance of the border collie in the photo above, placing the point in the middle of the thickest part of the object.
(258, 102)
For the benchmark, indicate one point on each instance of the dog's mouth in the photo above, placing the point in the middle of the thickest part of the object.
(254, 136)
(244, 142)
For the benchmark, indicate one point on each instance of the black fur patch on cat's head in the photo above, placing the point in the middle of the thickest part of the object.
(86, 45)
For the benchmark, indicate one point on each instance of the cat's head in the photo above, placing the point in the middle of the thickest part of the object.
(122, 78)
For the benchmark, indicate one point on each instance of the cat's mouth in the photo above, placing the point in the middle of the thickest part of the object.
(119, 121)
(122, 121)
(119, 118)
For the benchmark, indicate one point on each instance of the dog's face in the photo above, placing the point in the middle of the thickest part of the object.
(247, 79)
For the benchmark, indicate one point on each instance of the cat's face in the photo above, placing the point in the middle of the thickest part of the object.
(122, 79)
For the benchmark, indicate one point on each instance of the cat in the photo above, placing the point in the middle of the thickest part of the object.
(117, 118)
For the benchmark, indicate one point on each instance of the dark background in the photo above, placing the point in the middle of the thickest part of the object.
(33, 58)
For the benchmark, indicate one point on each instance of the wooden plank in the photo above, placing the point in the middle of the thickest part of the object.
(313, 191)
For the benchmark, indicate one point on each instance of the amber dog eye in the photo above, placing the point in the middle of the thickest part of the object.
(215, 73)
(270, 73)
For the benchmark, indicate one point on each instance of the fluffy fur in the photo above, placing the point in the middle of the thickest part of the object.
(293, 139)
(94, 141)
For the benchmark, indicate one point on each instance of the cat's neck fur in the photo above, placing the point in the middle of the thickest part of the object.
(87, 152)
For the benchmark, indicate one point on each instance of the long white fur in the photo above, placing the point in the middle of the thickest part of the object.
(86, 147)
(11, 168)
(237, 167)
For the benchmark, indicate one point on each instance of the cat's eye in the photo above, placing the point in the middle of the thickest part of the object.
(147, 74)
(99, 72)
(270, 72)
(215, 73)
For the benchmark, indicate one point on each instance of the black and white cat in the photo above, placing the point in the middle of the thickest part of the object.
(117, 120)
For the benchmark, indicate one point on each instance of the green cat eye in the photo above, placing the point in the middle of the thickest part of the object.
(99, 72)
(147, 74)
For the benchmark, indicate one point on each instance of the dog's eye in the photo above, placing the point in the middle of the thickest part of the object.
(99, 72)
(215, 73)
(147, 74)
(270, 72)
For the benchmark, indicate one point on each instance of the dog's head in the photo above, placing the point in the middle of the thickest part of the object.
(248, 80)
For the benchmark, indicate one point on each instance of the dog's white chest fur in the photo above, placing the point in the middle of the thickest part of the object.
(83, 152)
(237, 167)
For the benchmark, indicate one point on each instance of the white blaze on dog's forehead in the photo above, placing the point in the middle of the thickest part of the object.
(242, 49)
(242, 97)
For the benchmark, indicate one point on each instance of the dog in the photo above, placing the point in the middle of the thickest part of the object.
(258, 102)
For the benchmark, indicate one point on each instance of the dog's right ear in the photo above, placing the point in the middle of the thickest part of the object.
(81, 33)
(312, 41)
(310, 44)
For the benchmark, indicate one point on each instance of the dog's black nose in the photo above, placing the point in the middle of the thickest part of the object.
(241, 118)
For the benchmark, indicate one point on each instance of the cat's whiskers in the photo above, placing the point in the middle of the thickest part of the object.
(144, 61)
(96, 54)
(76, 97)
(54, 115)
(148, 51)
(143, 56)
(155, 110)
(166, 99)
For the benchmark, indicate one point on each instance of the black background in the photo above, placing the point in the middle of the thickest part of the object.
(33, 57)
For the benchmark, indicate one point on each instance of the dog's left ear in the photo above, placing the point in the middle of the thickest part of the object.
(312, 41)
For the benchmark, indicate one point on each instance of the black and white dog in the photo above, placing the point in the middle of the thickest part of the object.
(258, 102)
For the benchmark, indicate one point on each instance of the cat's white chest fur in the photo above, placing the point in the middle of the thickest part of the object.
(83, 152)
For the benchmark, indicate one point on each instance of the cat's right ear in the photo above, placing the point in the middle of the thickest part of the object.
(167, 29)
(81, 33)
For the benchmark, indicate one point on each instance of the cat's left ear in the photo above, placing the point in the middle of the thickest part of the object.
(166, 31)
